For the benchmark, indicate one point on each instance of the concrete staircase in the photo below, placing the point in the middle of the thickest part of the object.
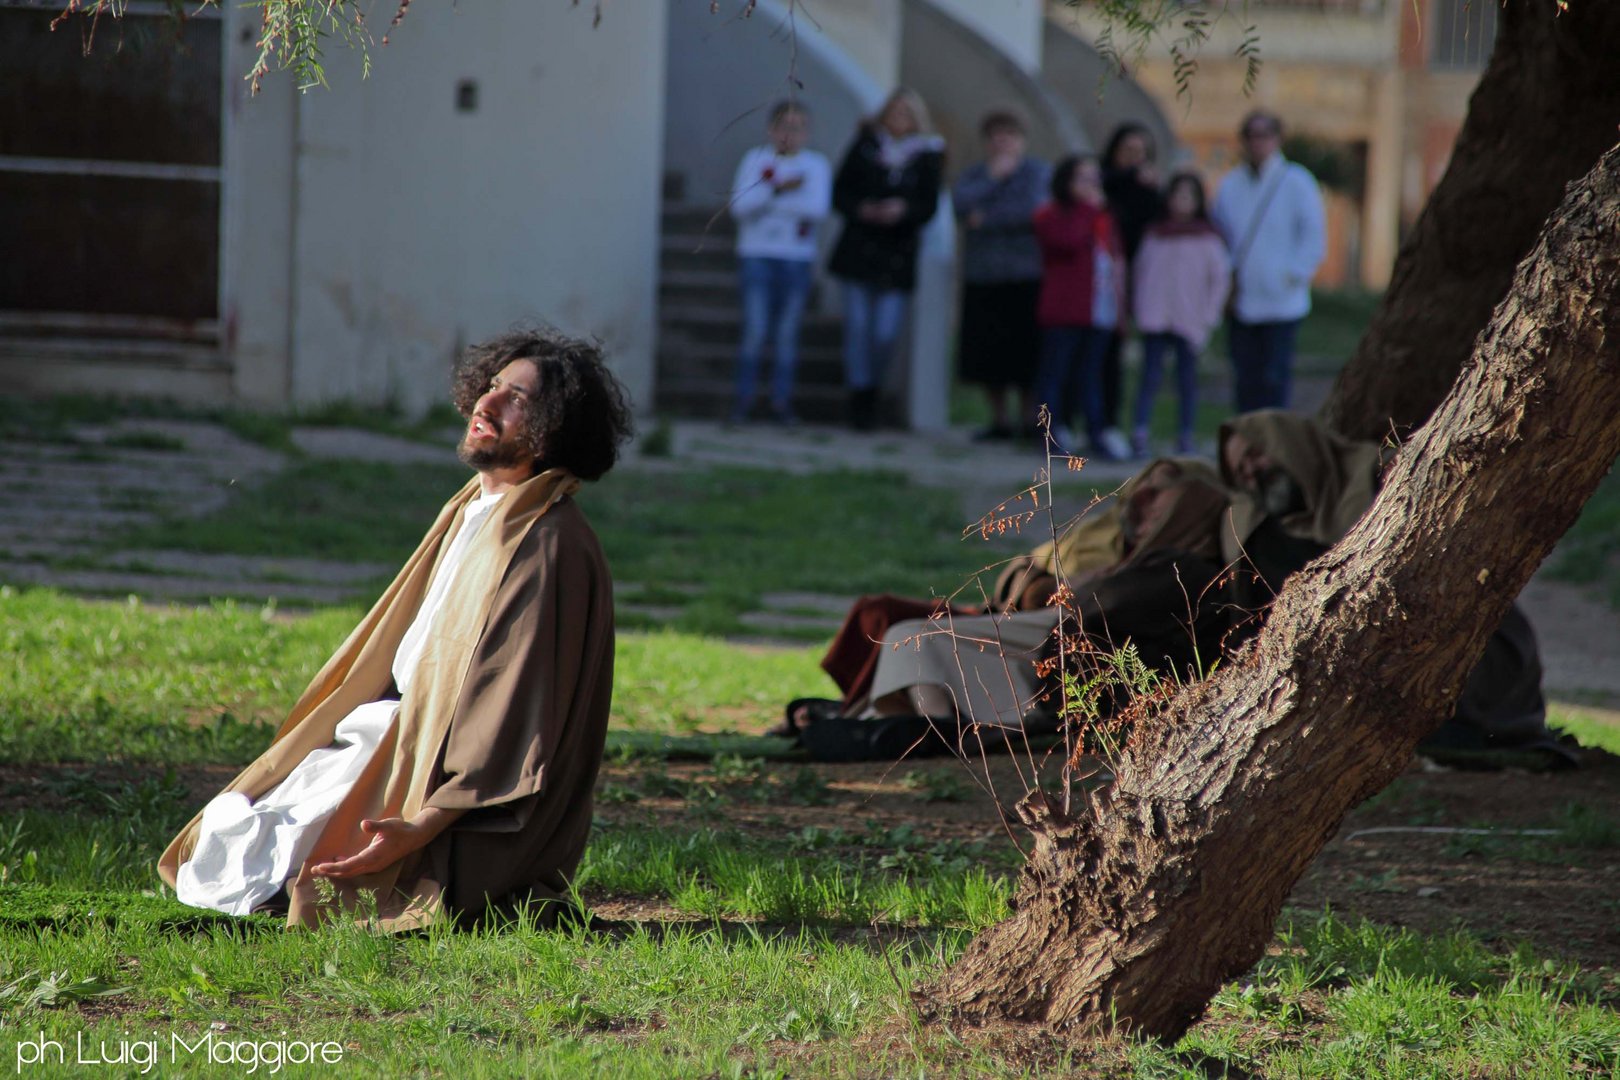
(700, 324)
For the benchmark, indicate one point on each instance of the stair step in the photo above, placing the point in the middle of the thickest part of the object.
(711, 398)
(697, 242)
(685, 255)
(682, 286)
(722, 324)
(711, 220)
(721, 281)
(700, 325)
(814, 369)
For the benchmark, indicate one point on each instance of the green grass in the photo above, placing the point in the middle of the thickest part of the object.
(710, 542)
(734, 534)
(1330, 333)
(755, 954)
(54, 419)
(690, 1001)
(84, 680)
(339, 510)
(1335, 999)
(1589, 727)
(1589, 554)
(1355, 999)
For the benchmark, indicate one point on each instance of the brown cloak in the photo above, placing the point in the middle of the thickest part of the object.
(504, 719)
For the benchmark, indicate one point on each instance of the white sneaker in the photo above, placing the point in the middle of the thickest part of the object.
(1115, 444)
(1062, 441)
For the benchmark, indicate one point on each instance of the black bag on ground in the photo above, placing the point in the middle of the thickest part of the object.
(883, 738)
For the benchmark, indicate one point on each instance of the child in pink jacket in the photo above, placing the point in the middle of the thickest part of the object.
(1181, 277)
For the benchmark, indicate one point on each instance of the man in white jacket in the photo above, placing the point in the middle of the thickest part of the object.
(780, 197)
(1270, 211)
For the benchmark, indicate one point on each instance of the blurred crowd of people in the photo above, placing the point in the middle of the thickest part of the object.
(1061, 265)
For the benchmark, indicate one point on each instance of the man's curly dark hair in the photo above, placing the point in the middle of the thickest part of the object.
(580, 415)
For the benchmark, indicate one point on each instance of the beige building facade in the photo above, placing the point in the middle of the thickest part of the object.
(499, 164)
(1378, 88)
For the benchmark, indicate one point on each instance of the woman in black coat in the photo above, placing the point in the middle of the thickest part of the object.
(887, 189)
(1131, 183)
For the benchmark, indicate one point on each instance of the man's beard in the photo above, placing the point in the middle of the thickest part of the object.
(503, 455)
(1280, 494)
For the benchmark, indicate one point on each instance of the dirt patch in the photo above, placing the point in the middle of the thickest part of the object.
(1557, 893)
(1560, 894)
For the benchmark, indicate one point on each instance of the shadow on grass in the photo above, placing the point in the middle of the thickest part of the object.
(626, 746)
(46, 907)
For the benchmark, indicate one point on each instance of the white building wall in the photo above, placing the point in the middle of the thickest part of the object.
(256, 220)
(417, 227)
(1013, 26)
(868, 30)
(724, 75)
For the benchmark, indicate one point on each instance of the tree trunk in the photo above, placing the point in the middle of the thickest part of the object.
(1544, 111)
(1169, 882)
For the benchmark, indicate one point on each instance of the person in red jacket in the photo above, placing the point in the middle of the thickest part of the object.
(1082, 296)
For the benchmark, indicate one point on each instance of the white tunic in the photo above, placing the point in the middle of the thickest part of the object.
(246, 849)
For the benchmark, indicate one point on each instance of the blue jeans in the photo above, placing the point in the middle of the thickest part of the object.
(773, 298)
(1262, 363)
(1153, 350)
(1071, 371)
(872, 319)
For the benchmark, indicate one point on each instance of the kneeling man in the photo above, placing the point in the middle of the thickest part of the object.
(443, 760)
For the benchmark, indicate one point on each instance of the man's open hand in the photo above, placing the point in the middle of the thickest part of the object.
(391, 840)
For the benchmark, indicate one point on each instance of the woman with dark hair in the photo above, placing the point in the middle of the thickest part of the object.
(999, 343)
(1131, 183)
(887, 189)
(1179, 282)
(1082, 297)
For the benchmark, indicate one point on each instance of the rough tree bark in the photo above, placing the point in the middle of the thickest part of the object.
(1545, 110)
(1169, 882)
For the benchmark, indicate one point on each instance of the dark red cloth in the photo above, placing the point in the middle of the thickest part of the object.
(1069, 237)
(852, 657)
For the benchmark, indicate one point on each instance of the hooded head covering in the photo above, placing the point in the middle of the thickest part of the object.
(1184, 515)
(1096, 541)
(1336, 478)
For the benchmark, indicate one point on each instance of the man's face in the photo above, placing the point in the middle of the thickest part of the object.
(1147, 510)
(1246, 463)
(1004, 141)
(789, 133)
(494, 438)
(1261, 139)
(1132, 152)
(1253, 470)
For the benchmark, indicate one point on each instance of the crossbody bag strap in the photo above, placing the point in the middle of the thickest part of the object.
(1242, 254)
